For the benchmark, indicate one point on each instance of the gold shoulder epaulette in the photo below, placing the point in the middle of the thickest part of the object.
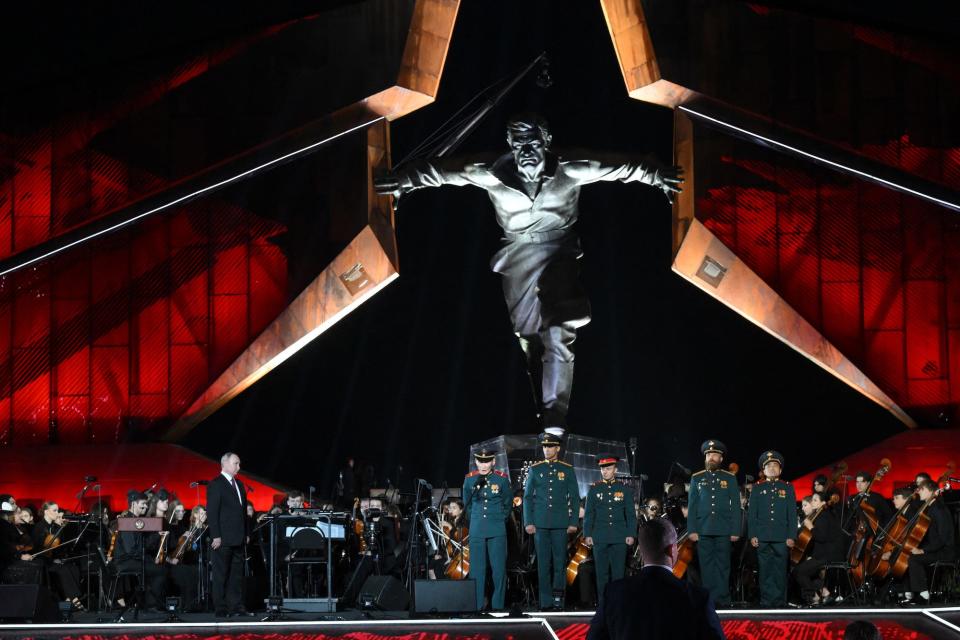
(728, 472)
(537, 463)
(566, 463)
(696, 473)
(500, 473)
(473, 473)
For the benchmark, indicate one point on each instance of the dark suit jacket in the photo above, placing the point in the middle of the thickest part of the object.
(226, 515)
(655, 605)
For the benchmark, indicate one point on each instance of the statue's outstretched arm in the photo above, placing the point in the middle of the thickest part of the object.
(588, 167)
(420, 174)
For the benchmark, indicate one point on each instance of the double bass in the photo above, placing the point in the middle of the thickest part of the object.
(684, 555)
(867, 526)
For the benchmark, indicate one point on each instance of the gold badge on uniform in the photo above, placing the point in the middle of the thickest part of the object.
(783, 493)
(494, 488)
(618, 496)
(723, 484)
(560, 475)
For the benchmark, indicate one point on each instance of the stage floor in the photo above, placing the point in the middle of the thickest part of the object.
(812, 624)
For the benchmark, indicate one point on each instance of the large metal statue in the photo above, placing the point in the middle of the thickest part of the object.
(535, 195)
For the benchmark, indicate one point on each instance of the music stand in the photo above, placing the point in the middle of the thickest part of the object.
(139, 526)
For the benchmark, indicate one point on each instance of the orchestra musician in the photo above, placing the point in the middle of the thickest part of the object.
(937, 544)
(47, 541)
(609, 523)
(864, 494)
(130, 548)
(551, 499)
(828, 546)
(14, 549)
(488, 499)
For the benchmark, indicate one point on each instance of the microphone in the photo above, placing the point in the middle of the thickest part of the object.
(90, 478)
(749, 478)
(952, 479)
(199, 483)
(152, 487)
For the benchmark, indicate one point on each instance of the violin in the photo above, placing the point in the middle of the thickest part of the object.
(358, 525)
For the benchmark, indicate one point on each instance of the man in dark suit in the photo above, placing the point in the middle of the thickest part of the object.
(226, 516)
(654, 604)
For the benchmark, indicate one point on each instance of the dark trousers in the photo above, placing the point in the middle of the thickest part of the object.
(492, 552)
(227, 587)
(917, 569)
(551, 563)
(155, 577)
(65, 579)
(714, 554)
(808, 577)
(772, 563)
(610, 561)
(185, 577)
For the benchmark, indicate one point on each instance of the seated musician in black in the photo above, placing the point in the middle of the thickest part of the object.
(132, 547)
(14, 547)
(48, 536)
(937, 544)
(904, 497)
(864, 495)
(826, 546)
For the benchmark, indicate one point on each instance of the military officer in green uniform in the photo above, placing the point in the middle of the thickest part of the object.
(551, 510)
(488, 499)
(713, 520)
(609, 523)
(772, 528)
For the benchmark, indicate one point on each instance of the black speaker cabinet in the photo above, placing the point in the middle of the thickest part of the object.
(445, 596)
(385, 593)
(27, 603)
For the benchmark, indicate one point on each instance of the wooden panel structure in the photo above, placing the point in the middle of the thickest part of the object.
(699, 256)
(746, 293)
(369, 262)
(363, 268)
(423, 59)
(635, 53)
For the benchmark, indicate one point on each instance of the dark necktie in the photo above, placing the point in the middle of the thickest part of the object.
(233, 483)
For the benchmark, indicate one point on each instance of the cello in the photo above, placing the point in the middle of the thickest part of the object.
(580, 553)
(867, 525)
(799, 549)
(896, 535)
(914, 535)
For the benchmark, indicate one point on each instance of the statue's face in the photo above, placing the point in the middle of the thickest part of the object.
(529, 151)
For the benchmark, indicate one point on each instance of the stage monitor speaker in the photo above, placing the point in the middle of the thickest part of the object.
(445, 596)
(385, 593)
(27, 603)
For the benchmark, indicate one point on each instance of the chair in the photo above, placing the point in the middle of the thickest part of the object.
(943, 569)
(842, 567)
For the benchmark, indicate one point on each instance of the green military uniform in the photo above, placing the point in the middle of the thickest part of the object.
(609, 519)
(488, 499)
(772, 520)
(551, 502)
(713, 513)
